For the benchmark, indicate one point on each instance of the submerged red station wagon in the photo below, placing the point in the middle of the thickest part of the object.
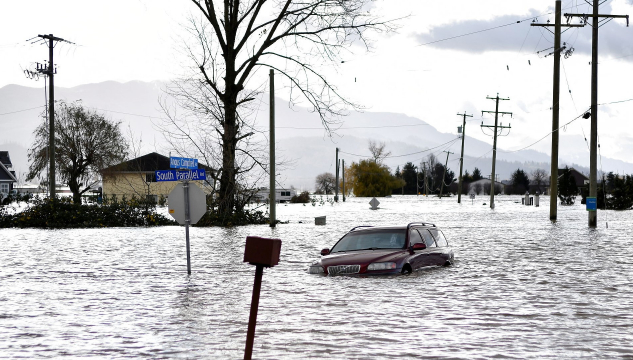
(385, 250)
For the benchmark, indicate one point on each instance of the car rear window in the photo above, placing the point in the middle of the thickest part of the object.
(374, 239)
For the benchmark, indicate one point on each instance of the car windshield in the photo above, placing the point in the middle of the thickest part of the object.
(371, 239)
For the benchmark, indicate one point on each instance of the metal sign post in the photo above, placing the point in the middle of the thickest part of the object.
(188, 205)
(185, 186)
(262, 253)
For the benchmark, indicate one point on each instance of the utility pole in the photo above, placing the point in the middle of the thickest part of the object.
(336, 184)
(494, 145)
(343, 180)
(50, 70)
(417, 186)
(553, 191)
(444, 177)
(461, 159)
(593, 159)
(426, 190)
(273, 200)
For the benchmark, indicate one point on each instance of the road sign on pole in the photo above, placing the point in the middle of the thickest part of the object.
(180, 175)
(183, 163)
(187, 204)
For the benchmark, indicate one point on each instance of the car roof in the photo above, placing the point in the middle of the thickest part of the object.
(392, 227)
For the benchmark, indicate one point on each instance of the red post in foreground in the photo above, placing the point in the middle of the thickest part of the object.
(260, 252)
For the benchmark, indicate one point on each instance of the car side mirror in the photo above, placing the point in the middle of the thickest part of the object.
(325, 252)
(418, 246)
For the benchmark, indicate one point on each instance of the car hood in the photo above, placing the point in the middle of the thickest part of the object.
(363, 257)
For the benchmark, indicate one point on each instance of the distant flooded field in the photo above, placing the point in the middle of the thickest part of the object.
(521, 287)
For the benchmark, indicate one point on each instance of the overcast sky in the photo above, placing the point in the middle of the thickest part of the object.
(414, 71)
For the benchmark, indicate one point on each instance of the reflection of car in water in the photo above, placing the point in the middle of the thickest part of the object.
(385, 250)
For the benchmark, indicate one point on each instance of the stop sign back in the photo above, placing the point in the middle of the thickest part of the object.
(197, 203)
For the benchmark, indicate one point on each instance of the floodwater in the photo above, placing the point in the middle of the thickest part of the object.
(521, 287)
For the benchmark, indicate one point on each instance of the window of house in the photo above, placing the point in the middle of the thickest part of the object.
(285, 193)
(4, 188)
(150, 177)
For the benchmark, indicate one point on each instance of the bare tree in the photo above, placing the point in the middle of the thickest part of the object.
(378, 152)
(324, 183)
(538, 178)
(232, 39)
(85, 143)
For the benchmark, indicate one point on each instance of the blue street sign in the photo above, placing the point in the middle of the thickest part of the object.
(592, 204)
(183, 163)
(179, 175)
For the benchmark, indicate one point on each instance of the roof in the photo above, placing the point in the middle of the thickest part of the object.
(5, 159)
(6, 175)
(147, 163)
(579, 177)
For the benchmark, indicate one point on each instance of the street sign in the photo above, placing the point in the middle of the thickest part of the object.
(197, 203)
(183, 163)
(592, 204)
(374, 204)
(180, 175)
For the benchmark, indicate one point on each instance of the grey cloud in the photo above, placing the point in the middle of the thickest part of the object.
(615, 37)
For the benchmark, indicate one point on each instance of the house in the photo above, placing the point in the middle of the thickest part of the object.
(7, 176)
(281, 195)
(582, 182)
(137, 178)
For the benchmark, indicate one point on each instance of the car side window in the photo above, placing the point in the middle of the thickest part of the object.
(414, 237)
(439, 237)
(428, 239)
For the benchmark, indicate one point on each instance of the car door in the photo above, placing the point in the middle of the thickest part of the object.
(432, 251)
(418, 259)
(443, 253)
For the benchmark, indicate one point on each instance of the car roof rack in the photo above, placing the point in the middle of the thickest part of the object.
(420, 223)
(362, 226)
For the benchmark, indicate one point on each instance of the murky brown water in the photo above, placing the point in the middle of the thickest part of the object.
(521, 287)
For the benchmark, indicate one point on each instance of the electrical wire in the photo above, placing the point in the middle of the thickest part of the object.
(548, 134)
(19, 111)
(397, 156)
(488, 29)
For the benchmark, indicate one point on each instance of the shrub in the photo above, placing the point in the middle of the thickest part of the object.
(59, 213)
(302, 198)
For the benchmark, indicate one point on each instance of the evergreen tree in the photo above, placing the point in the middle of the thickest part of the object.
(567, 188)
(520, 182)
(477, 175)
(409, 175)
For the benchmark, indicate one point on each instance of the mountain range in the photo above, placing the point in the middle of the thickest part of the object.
(300, 138)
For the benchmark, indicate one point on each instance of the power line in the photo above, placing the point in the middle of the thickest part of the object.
(488, 29)
(397, 156)
(548, 134)
(19, 111)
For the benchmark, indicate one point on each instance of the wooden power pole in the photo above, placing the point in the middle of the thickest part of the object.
(553, 191)
(593, 159)
(273, 200)
(461, 159)
(336, 183)
(444, 177)
(50, 71)
(494, 144)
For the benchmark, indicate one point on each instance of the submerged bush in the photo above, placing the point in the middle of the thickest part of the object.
(302, 198)
(59, 213)
(238, 218)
